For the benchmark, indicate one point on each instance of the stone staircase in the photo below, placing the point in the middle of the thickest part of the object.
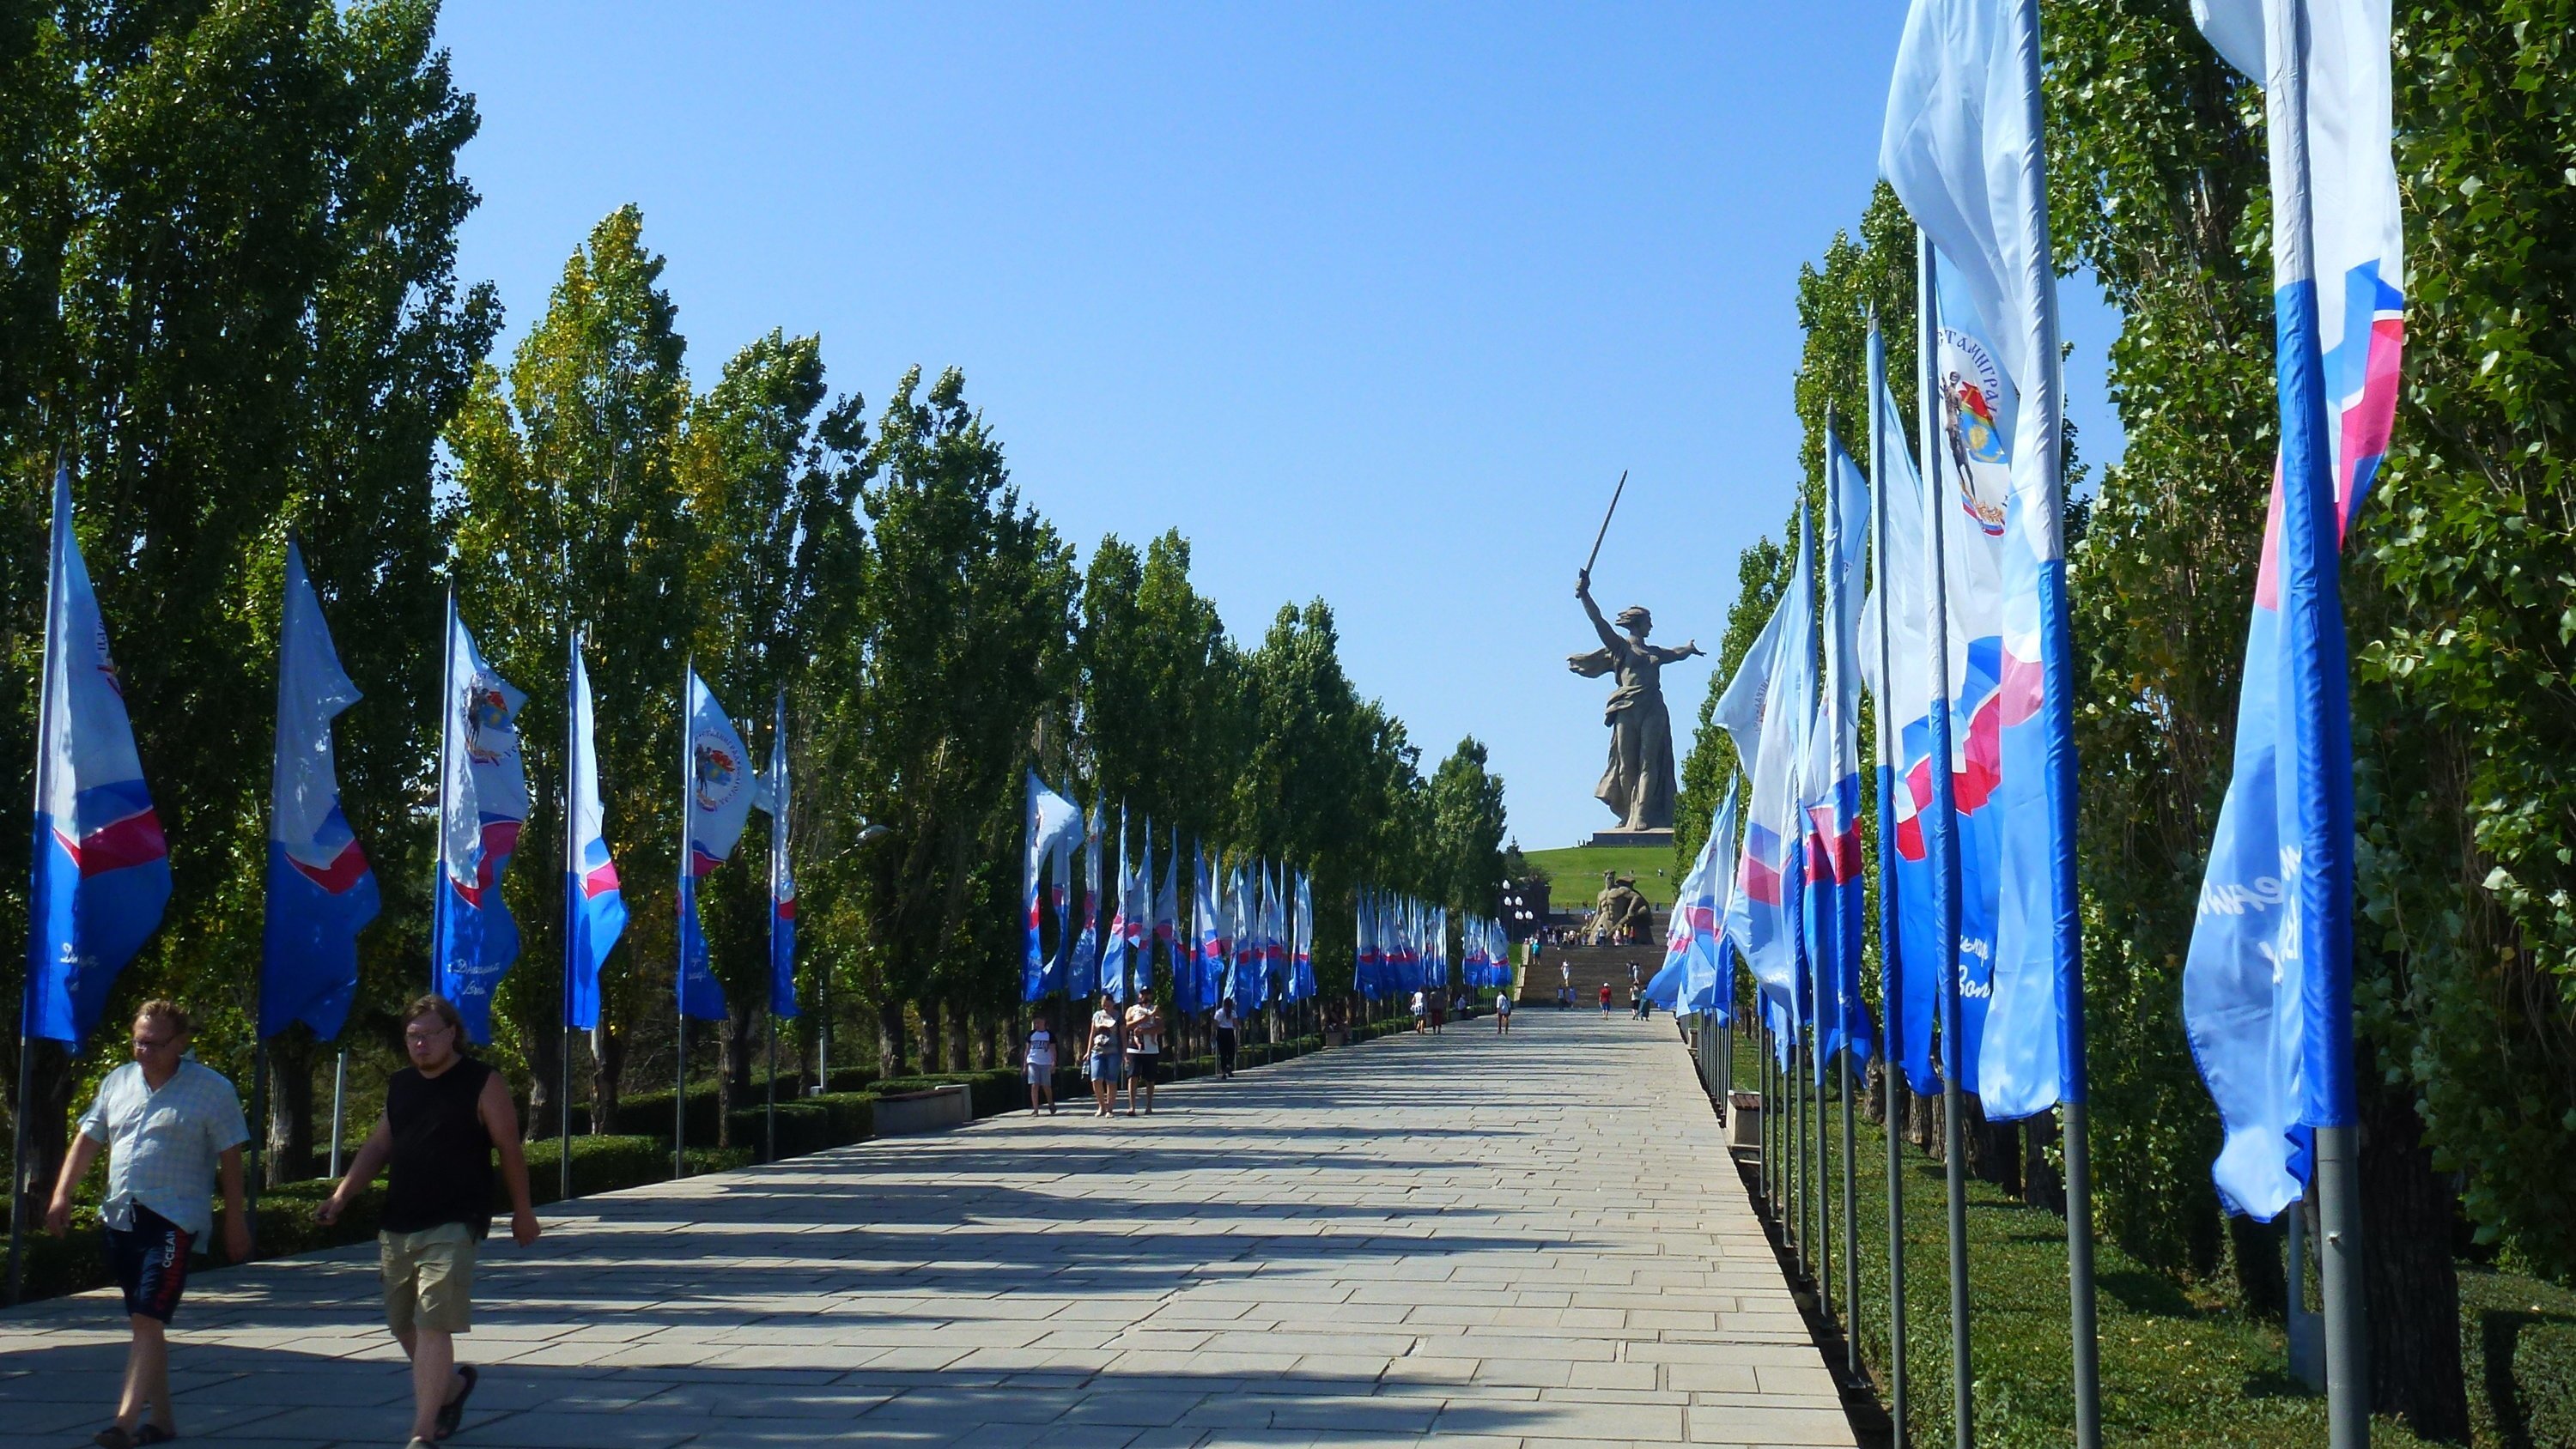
(1592, 965)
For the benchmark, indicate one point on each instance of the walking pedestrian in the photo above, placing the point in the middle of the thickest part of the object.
(1039, 1059)
(1637, 1005)
(1564, 984)
(171, 1128)
(445, 1115)
(1605, 998)
(1420, 1013)
(1224, 1023)
(1502, 1013)
(1144, 1048)
(1439, 1010)
(1104, 1057)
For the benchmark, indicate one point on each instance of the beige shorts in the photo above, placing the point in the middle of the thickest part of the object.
(429, 1278)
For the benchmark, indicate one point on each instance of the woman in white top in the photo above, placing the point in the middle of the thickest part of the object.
(1503, 1012)
(1144, 1046)
(1104, 1054)
(1224, 1024)
(1040, 1059)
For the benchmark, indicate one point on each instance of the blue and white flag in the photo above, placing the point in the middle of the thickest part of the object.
(1694, 979)
(719, 787)
(1084, 971)
(1207, 944)
(2267, 986)
(1830, 794)
(1963, 149)
(1050, 825)
(101, 870)
(482, 804)
(1900, 607)
(772, 797)
(1167, 928)
(597, 914)
(1770, 877)
(321, 893)
(1120, 945)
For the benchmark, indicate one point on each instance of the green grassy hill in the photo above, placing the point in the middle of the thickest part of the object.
(1575, 873)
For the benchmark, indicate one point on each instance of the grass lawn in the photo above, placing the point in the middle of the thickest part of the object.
(1576, 872)
(2179, 1367)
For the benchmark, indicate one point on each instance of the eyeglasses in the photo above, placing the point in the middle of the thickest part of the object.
(425, 1037)
(153, 1043)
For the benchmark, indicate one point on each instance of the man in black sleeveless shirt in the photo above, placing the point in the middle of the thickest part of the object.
(444, 1117)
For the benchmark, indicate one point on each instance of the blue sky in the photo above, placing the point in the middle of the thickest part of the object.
(1370, 301)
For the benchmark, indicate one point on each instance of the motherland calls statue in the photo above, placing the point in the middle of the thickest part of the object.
(1638, 785)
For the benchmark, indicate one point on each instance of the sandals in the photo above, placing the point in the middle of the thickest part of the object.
(451, 1414)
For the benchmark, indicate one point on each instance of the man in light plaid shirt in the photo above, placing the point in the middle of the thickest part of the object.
(168, 1125)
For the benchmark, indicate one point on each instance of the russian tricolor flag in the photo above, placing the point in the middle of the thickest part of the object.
(596, 914)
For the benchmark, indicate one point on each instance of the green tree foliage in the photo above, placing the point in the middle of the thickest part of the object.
(1466, 865)
(231, 304)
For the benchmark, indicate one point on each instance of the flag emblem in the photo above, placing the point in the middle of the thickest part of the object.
(718, 773)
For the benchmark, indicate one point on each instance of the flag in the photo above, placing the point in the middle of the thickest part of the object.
(782, 876)
(1963, 149)
(1364, 949)
(598, 914)
(1694, 979)
(1251, 941)
(1207, 941)
(482, 803)
(320, 890)
(1900, 606)
(101, 868)
(1762, 917)
(718, 790)
(1119, 945)
(1275, 940)
(1052, 823)
(1084, 972)
(2267, 989)
(1831, 793)
(1060, 883)
(1167, 928)
(1301, 958)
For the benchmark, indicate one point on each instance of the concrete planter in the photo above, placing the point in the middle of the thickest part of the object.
(1743, 1120)
(906, 1114)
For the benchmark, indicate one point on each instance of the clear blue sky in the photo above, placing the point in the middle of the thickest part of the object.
(1371, 301)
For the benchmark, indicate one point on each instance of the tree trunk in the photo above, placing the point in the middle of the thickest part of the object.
(932, 1059)
(48, 1109)
(737, 1046)
(290, 1107)
(957, 1029)
(1873, 1102)
(2262, 1276)
(992, 1057)
(2040, 1184)
(2410, 1283)
(890, 1039)
(1923, 1123)
(607, 1065)
(1994, 1149)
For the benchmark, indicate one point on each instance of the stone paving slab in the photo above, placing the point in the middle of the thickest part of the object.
(1457, 1240)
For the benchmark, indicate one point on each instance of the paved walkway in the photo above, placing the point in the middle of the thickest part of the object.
(1416, 1239)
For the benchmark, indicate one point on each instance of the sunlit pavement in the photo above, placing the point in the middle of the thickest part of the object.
(1534, 1240)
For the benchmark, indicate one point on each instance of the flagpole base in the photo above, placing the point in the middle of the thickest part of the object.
(2339, 1248)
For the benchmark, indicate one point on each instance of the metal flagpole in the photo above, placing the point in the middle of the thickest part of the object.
(18, 1194)
(2320, 709)
(1851, 1220)
(1943, 838)
(259, 1119)
(446, 722)
(572, 907)
(777, 817)
(1879, 442)
(680, 938)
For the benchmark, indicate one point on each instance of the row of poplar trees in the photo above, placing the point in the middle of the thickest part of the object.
(2458, 583)
(228, 293)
